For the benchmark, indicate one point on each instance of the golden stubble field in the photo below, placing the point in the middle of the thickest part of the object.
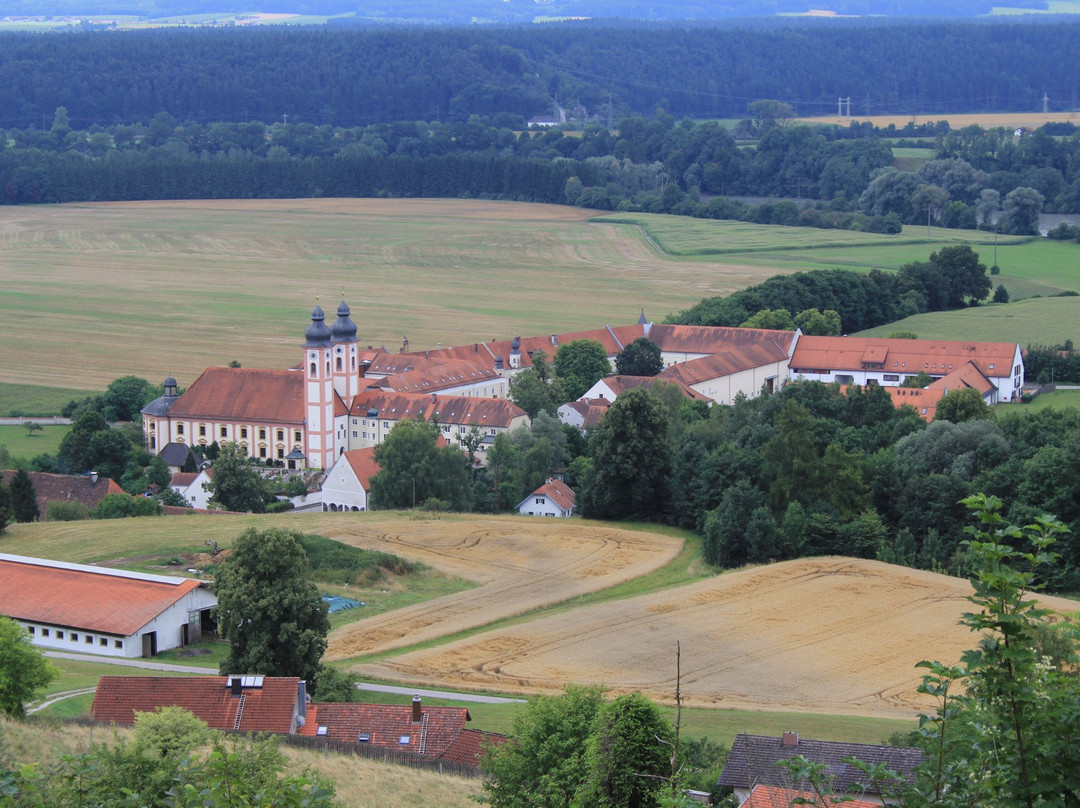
(519, 564)
(169, 288)
(820, 635)
(987, 120)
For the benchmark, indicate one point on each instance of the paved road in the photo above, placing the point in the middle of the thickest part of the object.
(197, 671)
(134, 663)
(436, 694)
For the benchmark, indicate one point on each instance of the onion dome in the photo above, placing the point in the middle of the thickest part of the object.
(515, 344)
(343, 329)
(317, 334)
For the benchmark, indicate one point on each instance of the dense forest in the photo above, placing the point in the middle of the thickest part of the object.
(360, 77)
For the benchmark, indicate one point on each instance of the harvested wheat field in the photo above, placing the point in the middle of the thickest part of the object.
(519, 564)
(822, 635)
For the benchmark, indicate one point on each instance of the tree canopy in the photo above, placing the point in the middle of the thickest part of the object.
(23, 668)
(414, 470)
(270, 611)
(632, 460)
(234, 484)
(640, 358)
(579, 365)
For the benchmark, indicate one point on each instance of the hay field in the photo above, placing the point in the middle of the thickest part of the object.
(159, 288)
(822, 635)
(520, 564)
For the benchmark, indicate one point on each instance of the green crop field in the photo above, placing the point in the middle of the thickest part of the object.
(32, 399)
(1034, 321)
(16, 440)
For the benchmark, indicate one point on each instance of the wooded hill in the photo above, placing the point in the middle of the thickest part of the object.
(408, 74)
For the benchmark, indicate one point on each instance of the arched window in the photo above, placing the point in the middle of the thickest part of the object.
(339, 364)
(314, 370)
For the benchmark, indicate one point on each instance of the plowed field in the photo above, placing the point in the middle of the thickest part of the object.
(520, 564)
(823, 635)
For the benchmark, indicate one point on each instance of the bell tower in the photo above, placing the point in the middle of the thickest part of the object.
(319, 392)
(345, 369)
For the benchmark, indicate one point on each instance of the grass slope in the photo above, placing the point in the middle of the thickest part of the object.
(20, 444)
(359, 782)
(32, 399)
(1033, 321)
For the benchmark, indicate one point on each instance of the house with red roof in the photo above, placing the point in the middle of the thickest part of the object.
(194, 486)
(87, 489)
(553, 498)
(757, 760)
(280, 705)
(347, 485)
(889, 362)
(97, 610)
(241, 703)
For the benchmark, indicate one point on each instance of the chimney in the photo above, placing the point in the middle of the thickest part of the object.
(789, 739)
(554, 339)
(476, 347)
(416, 709)
(93, 478)
(236, 686)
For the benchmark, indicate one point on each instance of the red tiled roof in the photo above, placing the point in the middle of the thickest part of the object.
(776, 797)
(968, 375)
(936, 357)
(924, 401)
(619, 384)
(715, 339)
(388, 725)
(244, 394)
(496, 412)
(182, 479)
(436, 377)
(269, 708)
(469, 744)
(363, 465)
(66, 488)
(559, 492)
(732, 360)
(592, 410)
(84, 597)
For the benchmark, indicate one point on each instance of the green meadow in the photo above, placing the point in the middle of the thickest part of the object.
(1043, 321)
(16, 440)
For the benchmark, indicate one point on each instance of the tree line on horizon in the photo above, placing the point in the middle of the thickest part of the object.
(360, 77)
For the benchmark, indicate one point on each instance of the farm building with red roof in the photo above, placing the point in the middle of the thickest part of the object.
(96, 610)
(242, 703)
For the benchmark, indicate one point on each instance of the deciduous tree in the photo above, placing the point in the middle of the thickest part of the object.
(629, 755)
(270, 611)
(234, 484)
(414, 470)
(23, 669)
(579, 365)
(545, 765)
(640, 358)
(632, 460)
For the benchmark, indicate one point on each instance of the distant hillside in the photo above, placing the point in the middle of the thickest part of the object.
(517, 11)
(316, 75)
